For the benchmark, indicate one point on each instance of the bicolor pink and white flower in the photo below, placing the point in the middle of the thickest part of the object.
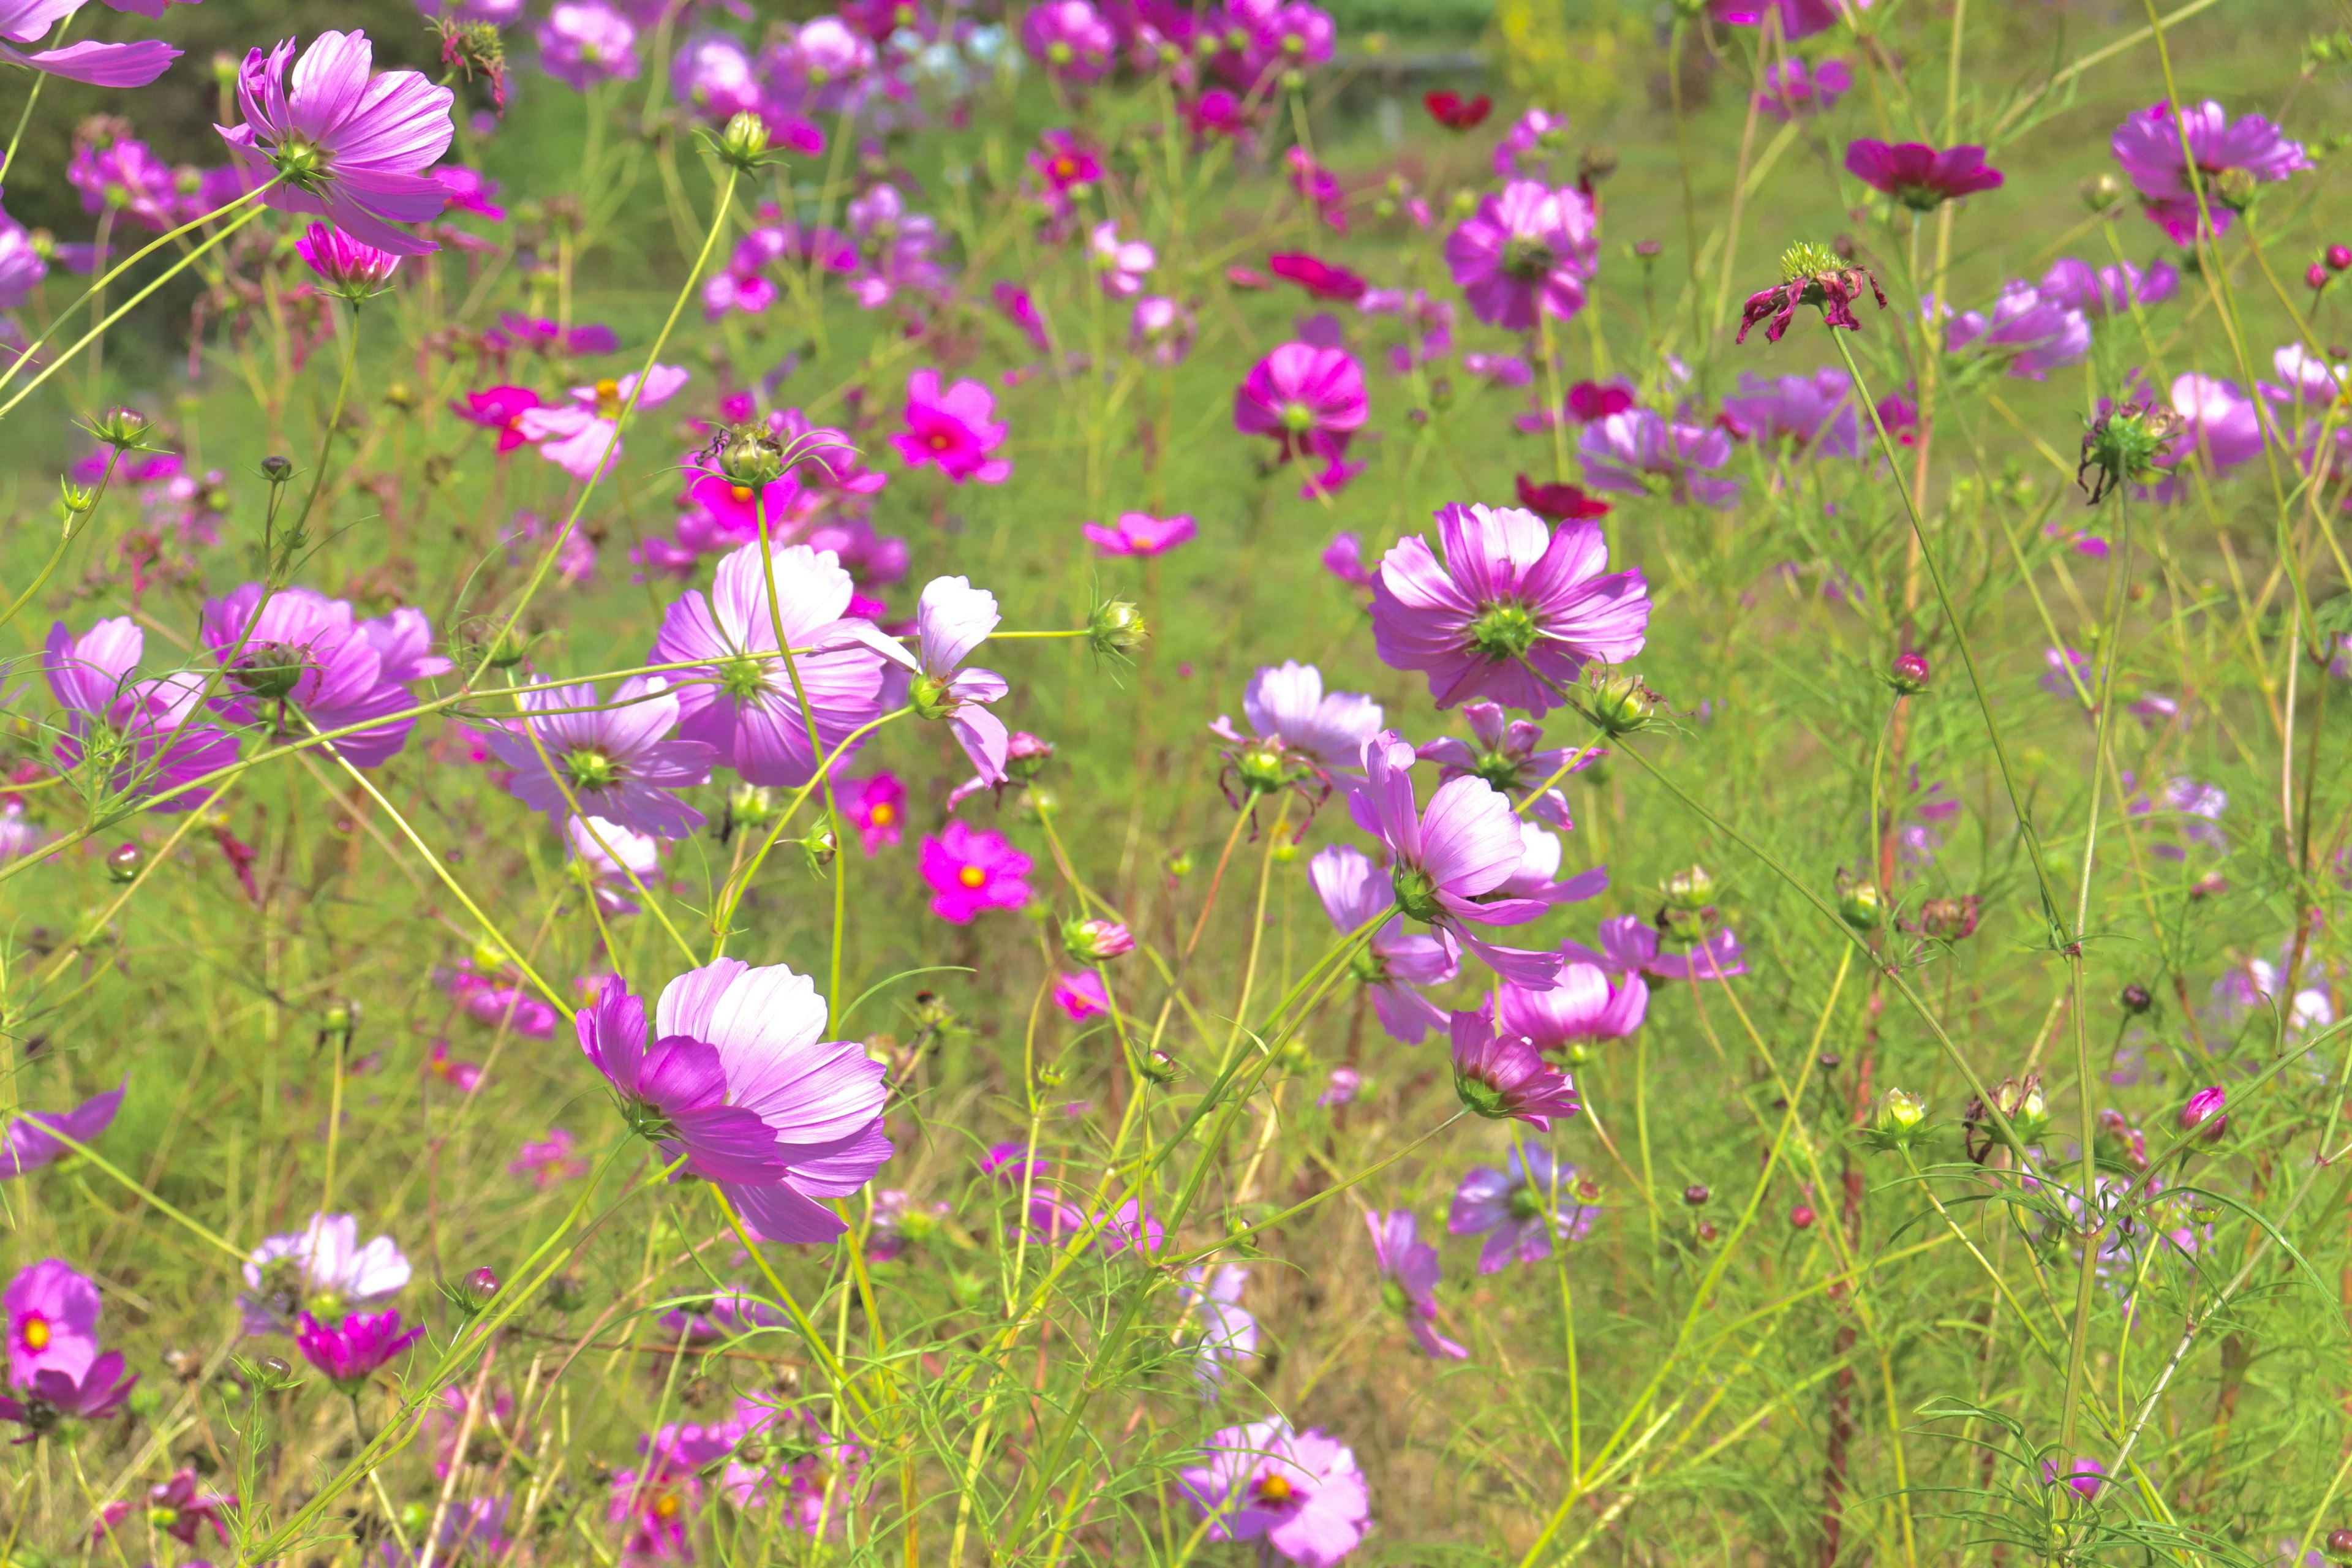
(573, 752)
(951, 619)
(582, 437)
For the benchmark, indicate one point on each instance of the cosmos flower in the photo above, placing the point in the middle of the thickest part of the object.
(2029, 334)
(2109, 290)
(1446, 861)
(146, 736)
(2148, 146)
(547, 1161)
(583, 42)
(877, 808)
(1140, 533)
(1299, 1492)
(52, 1321)
(1639, 453)
(1068, 37)
(1081, 994)
(1501, 1077)
(1162, 330)
(469, 191)
(656, 1502)
(1537, 874)
(734, 1076)
(812, 1474)
(972, 870)
(952, 429)
(1295, 723)
(1809, 416)
(322, 1270)
(1791, 90)
(1527, 248)
(1219, 1331)
(1798, 18)
(355, 1350)
(1311, 400)
(1530, 145)
(952, 619)
(313, 654)
(1580, 1008)
(1919, 176)
(825, 67)
(1519, 1209)
(499, 408)
(99, 65)
(1120, 266)
(1454, 112)
(606, 855)
(342, 142)
(1512, 611)
(1322, 280)
(613, 761)
(31, 1140)
(1629, 945)
(350, 269)
(583, 437)
(1558, 502)
(712, 75)
(1506, 756)
(50, 1396)
(1408, 1270)
(178, 1508)
(1395, 961)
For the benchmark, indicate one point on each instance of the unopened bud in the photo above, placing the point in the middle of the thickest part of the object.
(1160, 1067)
(751, 805)
(122, 428)
(2134, 999)
(2339, 258)
(277, 469)
(2102, 193)
(125, 862)
(1025, 756)
(1695, 1194)
(1950, 919)
(2235, 187)
(2340, 1545)
(750, 456)
(2205, 1114)
(1117, 629)
(1902, 1119)
(744, 143)
(1908, 673)
(1862, 906)
(1091, 942)
(1621, 704)
(1692, 889)
(2317, 277)
(340, 1018)
(1802, 1217)
(819, 844)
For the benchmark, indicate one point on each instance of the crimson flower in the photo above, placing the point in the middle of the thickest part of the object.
(1559, 504)
(1455, 112)
(1318, 276)
(1918, 175)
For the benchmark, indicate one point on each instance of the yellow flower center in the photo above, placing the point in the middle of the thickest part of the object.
(36, 1328)
(742, 493)
(1273, 1489)
(940, 441)
(884, 813)
(972, 876)
(667, 1505)
(608, 399)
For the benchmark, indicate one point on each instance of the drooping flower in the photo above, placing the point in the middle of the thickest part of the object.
(742, 700)
(180, 1508)
(344, 143)
(1409, 1269)
(1299, 1492)
(1140, 533)
(736, 1077)
(31, 1140)
(571, 753)
(1501, 1077)
(1513, 611)
(100, 65)
(1068, 37)
(583, 437)
(310, 653)
(2030, 334)
(52, 1321)
(583, 42)
(1311, 400)
(806, 1471)
(1506, 756)
(1445, 863)
(146, 737)
(1527, 248)
(469, 191)
(1631, 945)
(973, 869)
(1519, 1209)
(1220, 1334)
(1455, 112)
(2148, 144)
(50, 1396)
(1579, 1010)
(1639, 453)
(1807, 416)
(1297, 728)
(547, 1161)
(1919, 176)
(1558, 502)
(355, 1350)
(953, 429)
(350, 269)
(1081, 994)
(1810, 275)
(322, 1270)
(1792, 90)
(1395, 961)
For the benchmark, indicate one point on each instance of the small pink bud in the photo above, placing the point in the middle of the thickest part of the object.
(2317, 277)
(2206, 1110)
(1909, 672)
(2339, 258)
(1802, 1217)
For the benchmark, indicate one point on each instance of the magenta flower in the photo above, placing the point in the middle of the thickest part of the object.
(499, 408)
(1344, 558)
(741, 703)
(143, 737)
(31, 1140)
(1503, 1077)
(100, 65)
(123, 175)
(343, 144)
(1069, 38)
(1120, 266)
(2031, 334)
(1513, 611)
(1299, 1492)
(498, 1003)
(2222, 425)
(582, 437)
(1321, 279)
(547, 1161)
(310, 653)
(825, 67)
(952, 619)
(1526, 249)
(2206, 1113)
(1530, 145)
(2148, 146)
(50, 1396)
(1506, 757)
(952, 429)
(1799, 18)
(613, 762)
(469, 191)
(1629, 945)
(736, 1077)
(1444, 862)
(1140, 533)
(1311, 400)
(809, 1474)
(902, 248)
(583, 42)
(657, 1503)
(1162, 330)
(2109, 290)
(52, 1322)
(1396, 961)
(877, 808)
(712, 75)
(970, 869)
(2084, 1477)
(1537, 875)
(1081, 994)
(1637, 452)
(350, 269)
(1408, 1270)
(1296, 725)
(177, 1508)
(1520, 1209)
(1807, 416)
(356, 1349)
(1582, 1009)
(321, 1269)
(1790, 90)
(1918, 175)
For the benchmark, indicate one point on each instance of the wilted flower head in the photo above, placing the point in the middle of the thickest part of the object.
(1810, 275)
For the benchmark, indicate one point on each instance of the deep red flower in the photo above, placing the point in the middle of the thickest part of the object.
(1318, 276)
(1455, 112)
(1592, 400)
(1558, 503)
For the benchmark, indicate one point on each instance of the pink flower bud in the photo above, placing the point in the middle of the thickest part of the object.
(2205, 1110)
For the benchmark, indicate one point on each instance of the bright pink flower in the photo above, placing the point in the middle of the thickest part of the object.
(583, 437)
(972, 870)
(1526, 249)
(1799, 18)
(1530, 145)
(1321, 279)
(356, 1349)
(548, 1162)
(2148, 146)
(52, 1321)
(952, 429)
(1558, 503)
(1081, 994)
(463, 1077)
(351, 146)
(1629, 945)
(1920, 176)
(1311, 400)
(1791, 90)
(469, 191)
(1503, 1077)
(1301, 1493)
(1140, 533)
(1582, 1008)
(50, 1396)
(1409, 1272)
(1396, 961)
(877, 808)
(499, 408)
(1344, 558)
(1068, 37)
(1512, 611)
(31, 1142)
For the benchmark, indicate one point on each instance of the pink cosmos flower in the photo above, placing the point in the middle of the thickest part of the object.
(52, 1321)
(350, 269)
(1317, 186)
(547, 1161)
(952, 429)
(1295, 722)
(1582, 1009)
(823, 68)
(1299, 1492)
(606, 855)
(1506, 757)
(1140, 533)
(809, 1476)
(1639, 453)
(499, 408)
(970, 869)
(1120, 266)
(51, 1396)
(310, 654)
(1444, 862)
(2109, 290)
(1340, 1089)
(736, 1077)
(1520, 1209)
(1161, 329)
(1344, 558)
(1408, 1270)
(31, 1140)
(322, 1268)
(498, 1003)
(1629, 945)
(1530, 145)
(2031, 334)
(1537, 874)
(1799, 18)
(1022, 312)
(1920, 176)
(712, 74)
(356, 1349)
(1320, 279)
(1311, 400)
(2224, 427)
(1081, 994)
(146, 736)
(952, 619)
(1526, 249)
(615, 760)
(100, 65)
(469, 191)
(180, 1510)
(1790, 90)
(585, 436)
(1068, 37)
(344, 144)
(1501, 1077)
(744, 706)
(586, 41)
(1222, 1334)
(462, 1076)
(877, 808)
(1810, 415)
(1512, 611)
(2148, 146)
(657, 1502)
(1395, 961)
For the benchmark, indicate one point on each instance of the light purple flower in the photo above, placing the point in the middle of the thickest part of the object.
(322, 1270)
(2148, 146)
(741, 703)
(1160, 329)
(1789, 90)
(1582, 1009)
(52, 1321)
(1140, 533)
(1513, 611)
(583, 437)
(1638, 452)
(144, 736)
(2305, 378)
(1120, 266)
(1219, 1331)
(1530, 145)
(810, 1476)
(2224, 426)
(1068, 37)
(31, 1142)
(345, 144)
(950, 620)
(1507, 757)
(1527, 248)
(606, 855)
(823, 69)
(100, 65)
(1293, 720)
(1299, 1492)
(1341, 1089)
(1353, 892)
(586, 41)
(1444, 862)
(1519, 1209)
(1537, 874)
(712, 75)
(2108, 291)
(1408, 1269)
(309, 652)
(1629, 945)
(22, 265)
(1810, 415)
(99, 1392)
(735, 1078)
(901, 248)
(2030, 334)
(615, 760)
